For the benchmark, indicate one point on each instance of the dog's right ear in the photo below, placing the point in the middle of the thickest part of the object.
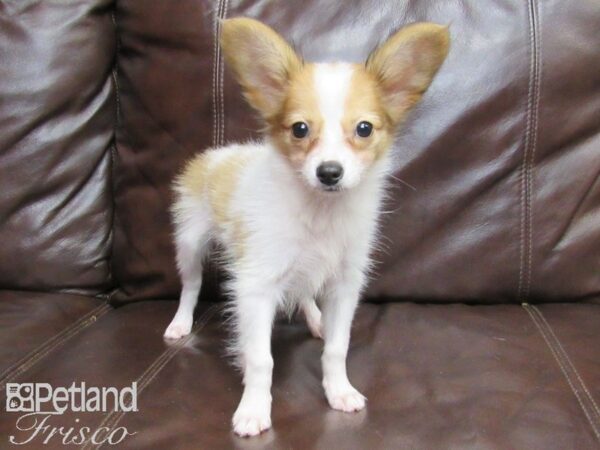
(262, 61)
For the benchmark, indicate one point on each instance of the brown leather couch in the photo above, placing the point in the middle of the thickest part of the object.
(481, 326)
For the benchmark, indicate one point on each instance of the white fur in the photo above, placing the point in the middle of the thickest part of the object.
(301, 244)
(332, 82)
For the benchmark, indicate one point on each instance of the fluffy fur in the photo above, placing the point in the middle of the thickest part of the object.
(291, 238)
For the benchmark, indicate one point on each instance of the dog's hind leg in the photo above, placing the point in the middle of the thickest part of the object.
(192, 237)
(313, 317)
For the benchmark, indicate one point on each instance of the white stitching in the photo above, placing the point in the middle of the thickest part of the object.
(526, 170)
(562, 368)
(534, 131)
(215, 69)
(51, 344)
(114, 417)
(523, 168)
(566, 357)
(221, 78)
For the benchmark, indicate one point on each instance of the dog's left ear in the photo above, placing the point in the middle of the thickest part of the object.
(262, 62)
(406, 63)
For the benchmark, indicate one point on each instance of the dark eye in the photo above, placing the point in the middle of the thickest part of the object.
(300, 130)
(364, 129)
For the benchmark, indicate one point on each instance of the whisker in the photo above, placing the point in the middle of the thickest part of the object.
(404, 183)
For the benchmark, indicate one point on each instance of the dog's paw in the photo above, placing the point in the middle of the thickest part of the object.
(251, 422)
(344, 397)
(178, 328)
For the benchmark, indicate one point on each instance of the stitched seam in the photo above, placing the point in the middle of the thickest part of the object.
(536, 18)
(563, 369)
(221, 78)
(113, 153)
(33, 353)
(522, 172)
(113, 418)
(214, 76)
(44, 349)
(568, 361)
(525, 173)
(152, 371)
(216, 55)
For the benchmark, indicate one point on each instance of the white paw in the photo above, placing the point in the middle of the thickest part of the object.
(178, 328)
(251, 421)
(343, 397)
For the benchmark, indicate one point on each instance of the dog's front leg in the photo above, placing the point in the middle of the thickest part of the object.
(254, 316)
(342, 294)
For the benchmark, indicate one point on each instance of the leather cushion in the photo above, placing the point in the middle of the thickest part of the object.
(436, 376)
(499, 196)
(57, 117)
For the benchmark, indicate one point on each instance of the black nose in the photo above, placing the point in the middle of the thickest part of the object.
(330, 172)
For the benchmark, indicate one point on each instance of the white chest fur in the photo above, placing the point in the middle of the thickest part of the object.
(297, 239)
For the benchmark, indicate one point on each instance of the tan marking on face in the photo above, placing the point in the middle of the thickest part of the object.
(364, 103)
(300, 105)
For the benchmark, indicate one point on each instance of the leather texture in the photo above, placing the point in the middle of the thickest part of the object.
(33, 323)
(481, 324)
(436, 377)
(57, 119)
(485, 207)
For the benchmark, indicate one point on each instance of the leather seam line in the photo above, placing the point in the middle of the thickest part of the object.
(217, 82)
(580, 391)
(112, 418)
(214, 74)
(530, 143)
(114, 150)
(55, 341)
(569, 363)
(221, 78)
(218, 88)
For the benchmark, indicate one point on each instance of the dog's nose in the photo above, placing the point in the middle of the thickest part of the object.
(330, 172)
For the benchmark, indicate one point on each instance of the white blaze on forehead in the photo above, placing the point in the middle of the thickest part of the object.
(332, 83)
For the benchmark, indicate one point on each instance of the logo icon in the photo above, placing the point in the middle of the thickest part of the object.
(20, 397)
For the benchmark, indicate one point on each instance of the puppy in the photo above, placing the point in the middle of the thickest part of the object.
(296, 213)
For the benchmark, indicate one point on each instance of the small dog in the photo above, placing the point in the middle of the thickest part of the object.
(296, 214)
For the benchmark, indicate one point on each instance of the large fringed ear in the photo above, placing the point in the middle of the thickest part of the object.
(406, 63)
(262, 61)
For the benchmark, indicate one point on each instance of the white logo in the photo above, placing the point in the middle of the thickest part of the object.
(41, 403)
(19, 397)
(43, 398)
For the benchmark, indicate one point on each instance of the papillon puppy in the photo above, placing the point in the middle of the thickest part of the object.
(296, 214)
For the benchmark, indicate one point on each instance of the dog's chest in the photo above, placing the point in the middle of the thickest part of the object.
(315, 255)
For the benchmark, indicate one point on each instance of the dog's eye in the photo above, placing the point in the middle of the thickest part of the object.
(364, 129)
(300, 130)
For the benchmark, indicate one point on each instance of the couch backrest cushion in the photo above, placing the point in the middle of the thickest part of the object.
(57, 111)
(496, 196)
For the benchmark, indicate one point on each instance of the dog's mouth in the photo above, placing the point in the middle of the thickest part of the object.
(331, 188)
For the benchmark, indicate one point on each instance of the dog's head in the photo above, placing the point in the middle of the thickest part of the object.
(332, 121)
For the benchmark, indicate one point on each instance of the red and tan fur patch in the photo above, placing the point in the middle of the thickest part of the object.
(281, 87)
(216, 181)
